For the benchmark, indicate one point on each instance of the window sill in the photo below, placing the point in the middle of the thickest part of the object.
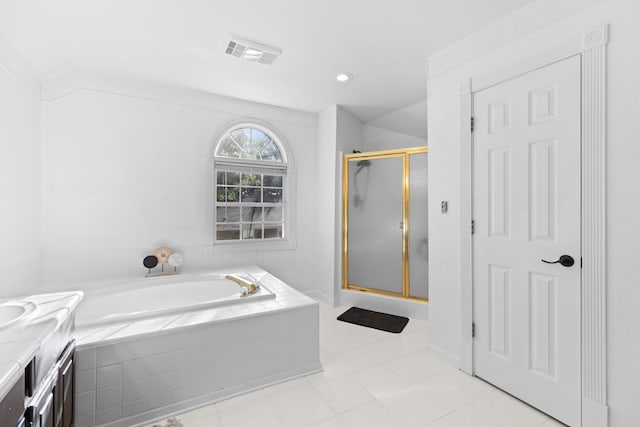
(244, 246)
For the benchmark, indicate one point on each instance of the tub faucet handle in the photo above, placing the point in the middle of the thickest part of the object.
(246, 286)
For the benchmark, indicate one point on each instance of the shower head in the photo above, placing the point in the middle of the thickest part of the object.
(362, 164)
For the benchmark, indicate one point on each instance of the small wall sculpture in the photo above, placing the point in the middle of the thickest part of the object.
(161, 256)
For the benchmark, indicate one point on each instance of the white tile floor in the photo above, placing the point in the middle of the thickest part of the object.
(372, 379)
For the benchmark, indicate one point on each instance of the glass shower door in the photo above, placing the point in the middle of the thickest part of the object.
(385, 242)
(376, 223)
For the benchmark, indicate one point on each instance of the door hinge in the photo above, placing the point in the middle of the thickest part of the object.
(473, 329)
(473, 227)
(580, 262)
(473, 124)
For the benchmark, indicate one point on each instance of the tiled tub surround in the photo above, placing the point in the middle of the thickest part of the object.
(140, 370)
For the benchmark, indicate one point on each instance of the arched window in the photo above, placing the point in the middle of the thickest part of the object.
(251, 185)
(249, 143)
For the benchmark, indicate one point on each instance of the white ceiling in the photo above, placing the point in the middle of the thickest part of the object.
(383, 43)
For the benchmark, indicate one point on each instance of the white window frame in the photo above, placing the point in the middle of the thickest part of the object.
(284, 168)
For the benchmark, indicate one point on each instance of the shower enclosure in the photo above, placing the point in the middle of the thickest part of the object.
(384, 199)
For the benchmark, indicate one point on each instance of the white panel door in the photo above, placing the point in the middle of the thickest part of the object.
(527, 208)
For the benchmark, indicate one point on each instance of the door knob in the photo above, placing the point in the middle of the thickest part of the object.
(564, 260)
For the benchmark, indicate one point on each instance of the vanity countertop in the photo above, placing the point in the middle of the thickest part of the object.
(20, 340)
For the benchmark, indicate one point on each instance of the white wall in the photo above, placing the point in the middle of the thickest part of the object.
(128, 167)
(349, 137)
(376, 139)
(409, 120)
(548, 27)
(326, 201)
(339, 132)
(20, 179)
(349, 132)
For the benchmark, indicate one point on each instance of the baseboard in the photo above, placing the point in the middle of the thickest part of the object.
(320, 296)
(161, 414)
(594, 414)
(446, 355)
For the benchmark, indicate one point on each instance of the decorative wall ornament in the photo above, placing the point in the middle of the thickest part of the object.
(161, 256)
(597, 37)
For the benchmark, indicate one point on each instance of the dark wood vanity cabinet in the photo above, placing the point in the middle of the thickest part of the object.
(44, 395)
(52, 403)
(12, 405)
(63, 393)
(46, 412)
(41, 408)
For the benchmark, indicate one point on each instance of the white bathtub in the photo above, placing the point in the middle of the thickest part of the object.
(149, 348)
(152, 297)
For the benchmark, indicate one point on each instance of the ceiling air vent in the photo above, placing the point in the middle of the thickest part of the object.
(252, 51)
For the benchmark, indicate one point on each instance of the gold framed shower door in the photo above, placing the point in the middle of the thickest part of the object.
(405, 154)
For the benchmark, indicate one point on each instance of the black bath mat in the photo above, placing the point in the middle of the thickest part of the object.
(374, 319)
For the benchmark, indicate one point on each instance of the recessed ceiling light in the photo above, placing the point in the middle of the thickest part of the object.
(344, 77)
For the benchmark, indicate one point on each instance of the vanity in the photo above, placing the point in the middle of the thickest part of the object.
(37, 352)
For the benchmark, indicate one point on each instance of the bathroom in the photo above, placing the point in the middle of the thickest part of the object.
(107, 152)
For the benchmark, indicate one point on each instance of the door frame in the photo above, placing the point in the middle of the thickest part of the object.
(592, 49)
